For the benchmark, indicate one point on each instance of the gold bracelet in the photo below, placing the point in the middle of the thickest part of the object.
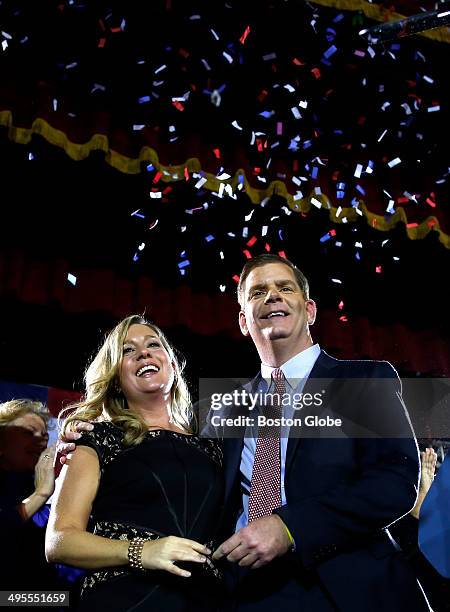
(135, 548)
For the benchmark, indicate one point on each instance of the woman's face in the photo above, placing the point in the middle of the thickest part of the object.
(21, 443)
(146, 367)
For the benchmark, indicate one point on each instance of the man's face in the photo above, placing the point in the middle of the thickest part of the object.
(275, 309)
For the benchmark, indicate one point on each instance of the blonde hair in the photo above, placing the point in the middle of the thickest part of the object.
(13, 409)
(104, 400)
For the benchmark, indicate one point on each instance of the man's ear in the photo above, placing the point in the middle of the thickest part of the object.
(243, 323)
(311, 311)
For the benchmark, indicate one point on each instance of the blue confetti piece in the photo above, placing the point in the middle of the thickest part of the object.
(150, 167)
(340, 195)
(209, 238)
(314, 172)
(184, 263)
(325, 237)
(330, 51)
(358, 256)
(144, 99)
(360, 189)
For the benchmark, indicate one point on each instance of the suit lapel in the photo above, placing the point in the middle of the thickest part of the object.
(232, 449)
(321, 369)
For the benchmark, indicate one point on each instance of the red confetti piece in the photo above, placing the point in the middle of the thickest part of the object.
(186, 173)
(244, 35)
(217, 153)
(101, 43)
(411, 225)
(157, 176)
(316, 72)
(168, 189)
(282, 254)
(247, 253)
(116, 30)
(262, 95)
(402, 200)
(252, 241)
(343, 318)
(332, 232)
(341, 305)
(431, 203)
(267, 247)
(298, 62)
(183, 52)
(178, 105)
(236, 278)
(378, 269)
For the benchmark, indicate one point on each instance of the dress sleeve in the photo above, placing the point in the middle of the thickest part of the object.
(105, 439)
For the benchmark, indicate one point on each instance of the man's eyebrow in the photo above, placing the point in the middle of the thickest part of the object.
(287, 281)
(278, 283)
(258, 286)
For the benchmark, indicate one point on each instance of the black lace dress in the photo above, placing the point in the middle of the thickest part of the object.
(170, 484)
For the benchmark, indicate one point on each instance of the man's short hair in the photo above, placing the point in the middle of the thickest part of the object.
(263, 260)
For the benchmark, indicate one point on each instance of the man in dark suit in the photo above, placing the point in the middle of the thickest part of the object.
(311, 510)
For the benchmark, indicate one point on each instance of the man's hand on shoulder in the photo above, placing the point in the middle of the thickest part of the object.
(256, 544)
(66, 443)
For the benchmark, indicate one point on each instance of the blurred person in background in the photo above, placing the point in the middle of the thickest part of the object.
(27, 480)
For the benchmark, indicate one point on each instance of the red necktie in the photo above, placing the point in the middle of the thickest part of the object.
(265, 490)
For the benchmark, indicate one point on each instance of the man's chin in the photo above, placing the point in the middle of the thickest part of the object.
(276, 333)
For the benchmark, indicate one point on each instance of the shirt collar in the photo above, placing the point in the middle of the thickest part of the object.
(297, 367)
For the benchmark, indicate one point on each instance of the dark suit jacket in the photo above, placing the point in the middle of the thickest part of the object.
(342, 493)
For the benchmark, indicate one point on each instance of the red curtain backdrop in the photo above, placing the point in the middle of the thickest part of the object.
(32, 282)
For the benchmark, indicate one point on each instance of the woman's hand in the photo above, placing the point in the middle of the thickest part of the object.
(44, 484)
(66, 444)
(428, 461)
(163, 553)
(44, 473)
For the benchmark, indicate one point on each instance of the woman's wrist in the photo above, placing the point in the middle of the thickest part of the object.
(31, 504)
(134, 554)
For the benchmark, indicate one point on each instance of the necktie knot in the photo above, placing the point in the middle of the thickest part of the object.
(277, 374)
(279, 380)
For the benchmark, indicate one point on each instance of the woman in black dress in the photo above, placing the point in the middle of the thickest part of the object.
(139, 500)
